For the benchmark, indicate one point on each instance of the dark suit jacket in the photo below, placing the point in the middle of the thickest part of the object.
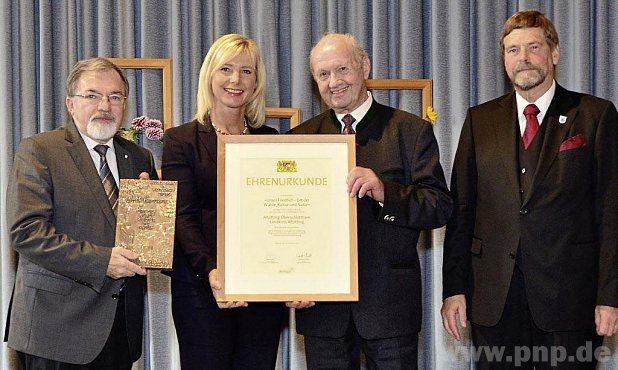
(566, 224)
(402, 150)
(190, 157)
(63, 227)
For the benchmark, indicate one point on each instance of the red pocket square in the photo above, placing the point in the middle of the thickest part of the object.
(574, 142)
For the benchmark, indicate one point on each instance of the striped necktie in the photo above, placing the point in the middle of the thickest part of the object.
(106, 177)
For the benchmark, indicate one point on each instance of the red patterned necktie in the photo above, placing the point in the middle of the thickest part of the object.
(106, 177)
(348, 120)
(532, 124)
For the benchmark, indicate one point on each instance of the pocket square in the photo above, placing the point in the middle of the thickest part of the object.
(574, 142)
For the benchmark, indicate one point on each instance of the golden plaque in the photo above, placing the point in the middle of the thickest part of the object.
(146, 220)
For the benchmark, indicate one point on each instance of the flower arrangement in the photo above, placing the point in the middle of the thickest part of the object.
(151, 128)
(432, 115)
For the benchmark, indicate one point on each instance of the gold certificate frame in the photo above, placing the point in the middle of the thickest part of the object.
(286, 226)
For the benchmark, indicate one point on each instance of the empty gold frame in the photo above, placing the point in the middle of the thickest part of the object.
(424, 85)
(165, 65)
(293, 114)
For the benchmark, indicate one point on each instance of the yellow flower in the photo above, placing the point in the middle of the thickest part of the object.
(432, 115)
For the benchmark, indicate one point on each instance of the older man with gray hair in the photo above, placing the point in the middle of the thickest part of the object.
(78, 300)
(400, 190)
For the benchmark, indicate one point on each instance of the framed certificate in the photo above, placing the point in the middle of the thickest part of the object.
(286, 226)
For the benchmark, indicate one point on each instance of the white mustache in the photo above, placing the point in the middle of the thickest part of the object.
(104, 116)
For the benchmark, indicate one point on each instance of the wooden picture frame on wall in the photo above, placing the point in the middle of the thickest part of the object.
(293, 114)
(165, 65)
(424, 85)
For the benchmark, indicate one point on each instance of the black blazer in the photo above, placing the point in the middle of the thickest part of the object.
(190, 157)
(401, 149)
(565, 224)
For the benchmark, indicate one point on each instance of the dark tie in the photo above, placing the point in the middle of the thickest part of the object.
(106, 177)
(348, 120)
(532, 124)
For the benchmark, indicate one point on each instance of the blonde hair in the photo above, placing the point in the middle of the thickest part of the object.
(223, 50)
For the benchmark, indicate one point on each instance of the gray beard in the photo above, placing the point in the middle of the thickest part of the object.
(529, 82)
(101, 131)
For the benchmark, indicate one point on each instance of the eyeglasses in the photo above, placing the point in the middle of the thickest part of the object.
(93, 98)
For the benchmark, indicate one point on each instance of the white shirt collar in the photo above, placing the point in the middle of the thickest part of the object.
(542, 103)
(358, 113)
(90, 144)
(110, 155)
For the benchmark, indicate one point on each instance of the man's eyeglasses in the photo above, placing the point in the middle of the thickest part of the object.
(93, 98)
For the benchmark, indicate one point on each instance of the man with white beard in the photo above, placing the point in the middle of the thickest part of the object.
(78, 300)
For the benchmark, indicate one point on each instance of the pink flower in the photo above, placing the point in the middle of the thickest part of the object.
(151, 128)
(154, 133)
(140, 123)
(153, 123)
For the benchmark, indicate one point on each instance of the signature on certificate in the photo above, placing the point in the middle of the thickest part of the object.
(270, 259)
(303, 257)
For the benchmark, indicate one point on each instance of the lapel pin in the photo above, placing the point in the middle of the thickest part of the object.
(562, 119)
(126, 156)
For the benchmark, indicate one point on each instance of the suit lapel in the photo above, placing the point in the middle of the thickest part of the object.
(556, 133)
(123, 161)
(370, 128)
(507, 138)
(330, 124)
(83, 161)
(366, 129)
(208, 138)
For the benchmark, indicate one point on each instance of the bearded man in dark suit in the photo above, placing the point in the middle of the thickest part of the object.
(401, 190)
(77, 303)
(531, 251)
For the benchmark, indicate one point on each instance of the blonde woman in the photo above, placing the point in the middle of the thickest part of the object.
(230, 101)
